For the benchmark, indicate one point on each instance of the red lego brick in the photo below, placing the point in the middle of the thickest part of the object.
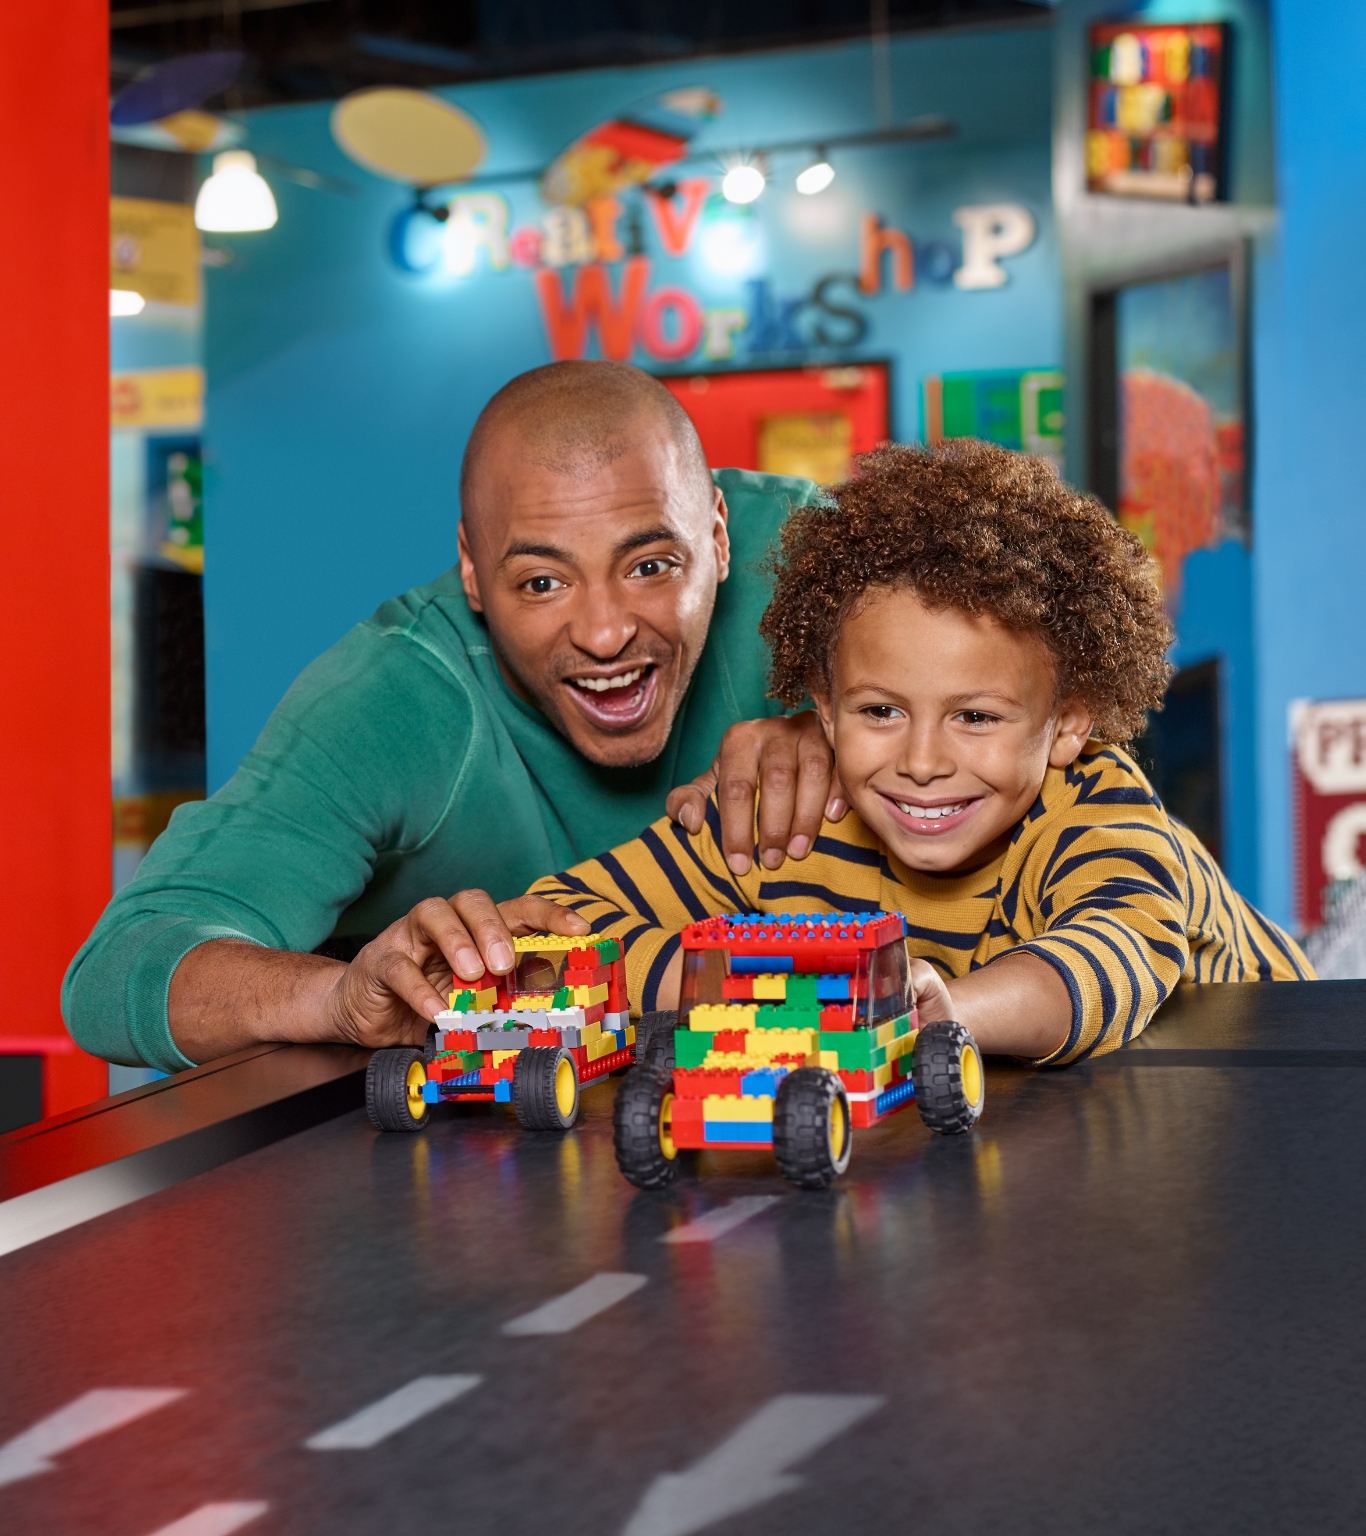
(698, 1082)
(738, 989)
(582, 959)
(689, 1127)
(857, 1081)
(594, 1014)
(837, 1016)
(861, 1114)
(580, 1055)
(545, 1037)
(729, 1040)
(461, 1040)
(585, 976)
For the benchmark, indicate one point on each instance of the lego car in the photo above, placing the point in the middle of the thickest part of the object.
(558, 1021)
(793, 1030)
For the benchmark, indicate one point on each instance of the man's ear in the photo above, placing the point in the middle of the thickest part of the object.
(468, 578)
(1071, 732)
(720, 533)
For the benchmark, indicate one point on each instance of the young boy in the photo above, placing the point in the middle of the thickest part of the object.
(979, 640)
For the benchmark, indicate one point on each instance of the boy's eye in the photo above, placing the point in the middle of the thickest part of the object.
(882, 712)
(656, 565)
(540, 585)
(975, 717)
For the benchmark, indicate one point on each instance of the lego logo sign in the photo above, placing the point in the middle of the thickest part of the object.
(1329, 742)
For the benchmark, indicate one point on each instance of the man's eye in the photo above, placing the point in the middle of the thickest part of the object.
(656, 565)
(540, 585)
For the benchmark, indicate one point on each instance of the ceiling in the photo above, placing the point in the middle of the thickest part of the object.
(309, 50)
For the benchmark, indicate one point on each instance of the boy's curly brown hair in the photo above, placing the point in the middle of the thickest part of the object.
(973, 526)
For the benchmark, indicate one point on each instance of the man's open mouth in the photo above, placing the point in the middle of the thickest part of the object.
(616, 701)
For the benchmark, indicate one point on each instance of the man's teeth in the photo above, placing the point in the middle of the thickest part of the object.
(602, 684)
(931, 812)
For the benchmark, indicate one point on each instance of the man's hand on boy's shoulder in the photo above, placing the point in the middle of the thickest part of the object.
(785, 763)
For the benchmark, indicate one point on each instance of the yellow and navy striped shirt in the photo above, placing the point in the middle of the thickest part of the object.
(1099, 881)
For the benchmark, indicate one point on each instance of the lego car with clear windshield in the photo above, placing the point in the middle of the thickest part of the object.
(793, 1030)
(559, 1020)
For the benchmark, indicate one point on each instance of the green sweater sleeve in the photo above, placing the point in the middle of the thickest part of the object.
(359, 759)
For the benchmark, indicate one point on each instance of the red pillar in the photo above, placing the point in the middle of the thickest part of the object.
(54, 522)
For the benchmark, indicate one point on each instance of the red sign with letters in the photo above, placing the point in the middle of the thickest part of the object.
(1329, 745)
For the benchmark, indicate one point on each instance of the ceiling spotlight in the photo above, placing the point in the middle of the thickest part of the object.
(816, 177)
(123, 301)
(742, 183)
(235, 198)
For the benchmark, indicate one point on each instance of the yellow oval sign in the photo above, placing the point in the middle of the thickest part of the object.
(408, 135)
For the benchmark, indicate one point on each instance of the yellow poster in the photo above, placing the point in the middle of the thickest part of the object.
(161, 397)
(817, 445)
(154, 250)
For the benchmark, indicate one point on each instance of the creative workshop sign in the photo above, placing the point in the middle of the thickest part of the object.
(622, 252)
(1329, 745)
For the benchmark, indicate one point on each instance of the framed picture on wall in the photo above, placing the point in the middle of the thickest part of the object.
(1168, 427)
(1157, 110)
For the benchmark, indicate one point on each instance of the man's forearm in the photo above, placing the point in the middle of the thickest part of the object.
(228, 994)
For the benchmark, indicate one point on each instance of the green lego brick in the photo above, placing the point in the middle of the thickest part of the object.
(464, 1002)
(801, 992)
(564, 998)
(691, 1046)
(854, 1048)
(785, 1016)
(608, 951)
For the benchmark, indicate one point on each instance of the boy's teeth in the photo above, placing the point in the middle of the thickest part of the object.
(930, 812)
(601, 684)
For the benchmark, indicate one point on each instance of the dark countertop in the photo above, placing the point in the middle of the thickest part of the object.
(1134, 1301)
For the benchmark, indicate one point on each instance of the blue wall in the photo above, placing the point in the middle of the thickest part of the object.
(341, 389)
(1310, 556)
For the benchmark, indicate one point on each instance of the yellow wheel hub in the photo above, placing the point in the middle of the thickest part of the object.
(838, 1128)
(666, 1128)
(971, 1070)
(565, 1087)
(417, 1081)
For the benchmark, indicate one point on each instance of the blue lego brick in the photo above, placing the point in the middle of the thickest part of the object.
(833, 989)
(431, 1093)
(760, 1132)
(502, 1091)
(465, 1080)
(759, 965)
(762, 1083)
(891, 1098)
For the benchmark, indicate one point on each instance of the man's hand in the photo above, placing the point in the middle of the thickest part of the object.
(388, 995)
(228, 994)
(787, 764)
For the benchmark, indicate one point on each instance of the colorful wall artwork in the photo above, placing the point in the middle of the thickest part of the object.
(1156, 111)
(1329, 752)
(1181, 461)
(1018, 408)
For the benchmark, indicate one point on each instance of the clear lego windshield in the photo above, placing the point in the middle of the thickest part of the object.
(538, 973)
(704, 975)
(882, 984)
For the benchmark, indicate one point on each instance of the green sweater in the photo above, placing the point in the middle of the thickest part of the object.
(400, 766)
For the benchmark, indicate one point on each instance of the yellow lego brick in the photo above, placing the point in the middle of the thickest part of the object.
(546, 943)
(829, 1059)
(715, 1016)
(527, 1002)
(585, 997)
(485, 999)
(630, 1034)
(497, 1058)
(733, 1061)
(882, 1076)
(602, 1045)
(589, 1032)
(725, 1106)
(770, 988)
(767, 1043)
(903, 1045)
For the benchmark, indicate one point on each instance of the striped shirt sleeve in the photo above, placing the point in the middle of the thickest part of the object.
(644, 892)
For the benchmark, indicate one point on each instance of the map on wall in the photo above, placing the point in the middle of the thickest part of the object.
(1181, 453)
(1155, 111)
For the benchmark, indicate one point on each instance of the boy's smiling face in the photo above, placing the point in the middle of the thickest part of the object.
(943, 725)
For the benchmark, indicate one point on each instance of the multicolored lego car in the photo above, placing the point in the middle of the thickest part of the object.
(793, 1030)
(558, 1020)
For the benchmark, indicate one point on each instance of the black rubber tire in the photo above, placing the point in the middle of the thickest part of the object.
(386, 1090)
(655, 1039)
(812, 1131)
(642, 1154)
(945, 1105)
(429, 1049)
(534, 1077)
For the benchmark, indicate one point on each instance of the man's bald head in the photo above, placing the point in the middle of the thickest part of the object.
(577, 418)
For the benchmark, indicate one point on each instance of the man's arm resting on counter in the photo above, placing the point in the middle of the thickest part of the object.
(228, 994)
(1016, 1006)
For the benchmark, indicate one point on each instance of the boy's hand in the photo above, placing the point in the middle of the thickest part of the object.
(931, 993)
(785, 763)
(388, 994)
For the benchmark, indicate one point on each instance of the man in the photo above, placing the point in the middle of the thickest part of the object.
(478, 732)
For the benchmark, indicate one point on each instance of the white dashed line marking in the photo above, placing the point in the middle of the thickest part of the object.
(577, 1306)
(749, 1467)
(93, 1413)
(725, 1218)
(215, 1519)
(390, 1414)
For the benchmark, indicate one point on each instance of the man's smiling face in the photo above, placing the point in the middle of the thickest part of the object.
(597, 578)
(944, 724)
